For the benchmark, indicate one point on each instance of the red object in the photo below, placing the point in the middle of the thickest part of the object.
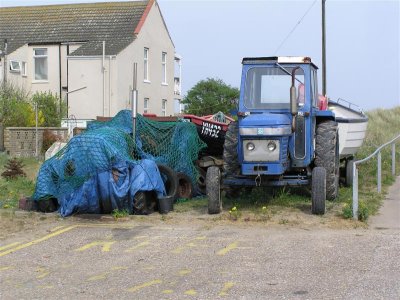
(322, 102)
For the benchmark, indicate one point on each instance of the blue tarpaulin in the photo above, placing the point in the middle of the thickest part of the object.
(117, 187)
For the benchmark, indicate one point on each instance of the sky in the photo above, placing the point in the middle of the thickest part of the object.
(363, 41)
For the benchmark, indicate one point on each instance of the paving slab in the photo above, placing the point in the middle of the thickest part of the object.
(389, 214)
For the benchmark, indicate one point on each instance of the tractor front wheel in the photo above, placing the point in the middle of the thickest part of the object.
(318, 191)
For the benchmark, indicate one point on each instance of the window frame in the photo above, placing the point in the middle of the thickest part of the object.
(12, 68)
(164, 68)
(146, 105)
(35, 56)
(24, 69)
(146, 62)
(164, 107)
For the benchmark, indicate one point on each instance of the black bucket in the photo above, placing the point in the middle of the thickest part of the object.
(165, 204)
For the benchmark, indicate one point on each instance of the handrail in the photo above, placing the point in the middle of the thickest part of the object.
(379, 171)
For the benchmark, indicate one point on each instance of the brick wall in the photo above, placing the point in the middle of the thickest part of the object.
(20, 141)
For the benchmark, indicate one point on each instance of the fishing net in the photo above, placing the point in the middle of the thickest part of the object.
(105, 144)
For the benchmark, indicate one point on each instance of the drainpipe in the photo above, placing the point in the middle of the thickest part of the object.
(109, 86)
(67, 79)
(104, 79)
(59, 64)
(5, 62)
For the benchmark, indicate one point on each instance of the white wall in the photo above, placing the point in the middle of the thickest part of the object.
(53, 84)
(28, 82)
(87, 99)
(154, 36)
(94, 100)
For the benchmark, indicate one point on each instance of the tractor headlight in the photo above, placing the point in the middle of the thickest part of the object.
(250, 146)
(271, 146)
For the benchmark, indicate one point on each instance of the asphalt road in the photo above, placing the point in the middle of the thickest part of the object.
(138, 259)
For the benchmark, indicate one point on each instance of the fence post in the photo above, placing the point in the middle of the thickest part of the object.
(379, 172)
(355, 192)
(393, 159)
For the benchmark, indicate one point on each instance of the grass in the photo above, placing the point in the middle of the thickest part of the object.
(383, 125)
(119, 214)
(13, 190)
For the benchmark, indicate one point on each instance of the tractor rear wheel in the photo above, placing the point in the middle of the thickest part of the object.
(213, 187)
(231, 165)
(318, 191)
(327, 155)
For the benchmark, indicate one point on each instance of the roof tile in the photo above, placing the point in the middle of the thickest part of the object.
(113, 22)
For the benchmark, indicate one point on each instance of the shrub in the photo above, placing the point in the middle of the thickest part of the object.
(13, 169)
(49, 138)
(50, 107)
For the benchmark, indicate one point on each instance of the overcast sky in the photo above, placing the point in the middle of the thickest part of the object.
(363, 41)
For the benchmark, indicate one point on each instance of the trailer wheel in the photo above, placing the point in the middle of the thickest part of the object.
(349, 172)
(318, 191)
(231, 165)
(327, 155)
(185, 187)
(213, 187)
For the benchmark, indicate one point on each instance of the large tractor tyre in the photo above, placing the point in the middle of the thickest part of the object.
(213, 187)
(349, 172)
(318, 191)
(231, 165)
(327, 155)
(169, 178)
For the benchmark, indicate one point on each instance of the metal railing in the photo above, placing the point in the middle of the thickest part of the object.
(379, 172)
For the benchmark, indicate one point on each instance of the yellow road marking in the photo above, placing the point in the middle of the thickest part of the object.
(37, 241)
(140, 245)
(144, 285)
(167, 291)
(226, 288)
(228, 248)
(57, 228)
(5, 268)
(9, 246)
(106, 246)
(43, 275)
(184, 272)
(46, 286)
(191, 293)
(98, 277)
(119, 268)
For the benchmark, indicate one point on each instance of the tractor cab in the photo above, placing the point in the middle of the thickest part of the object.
(277, 107)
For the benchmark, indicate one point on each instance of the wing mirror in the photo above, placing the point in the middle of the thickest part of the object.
(293, 99)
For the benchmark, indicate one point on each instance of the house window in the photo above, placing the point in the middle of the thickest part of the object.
(15, 66)
(23, 69)
(164, 107)
(164, 67)
(146, 64)
(146, 105)
(40, 61)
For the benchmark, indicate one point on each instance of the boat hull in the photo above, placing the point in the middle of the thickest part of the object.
(211, 132)
(352, 126)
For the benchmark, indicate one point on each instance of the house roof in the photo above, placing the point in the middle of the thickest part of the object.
(116, 23)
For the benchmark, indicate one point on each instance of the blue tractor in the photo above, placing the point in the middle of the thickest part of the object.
(284, 136)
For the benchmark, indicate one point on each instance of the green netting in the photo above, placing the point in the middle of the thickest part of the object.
(105, 144)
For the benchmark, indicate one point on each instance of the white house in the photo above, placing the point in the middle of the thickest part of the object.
(85, 53)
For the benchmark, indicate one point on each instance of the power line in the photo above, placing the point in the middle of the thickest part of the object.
(294, 28)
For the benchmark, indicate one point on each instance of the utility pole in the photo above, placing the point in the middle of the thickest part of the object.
(323, 50)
